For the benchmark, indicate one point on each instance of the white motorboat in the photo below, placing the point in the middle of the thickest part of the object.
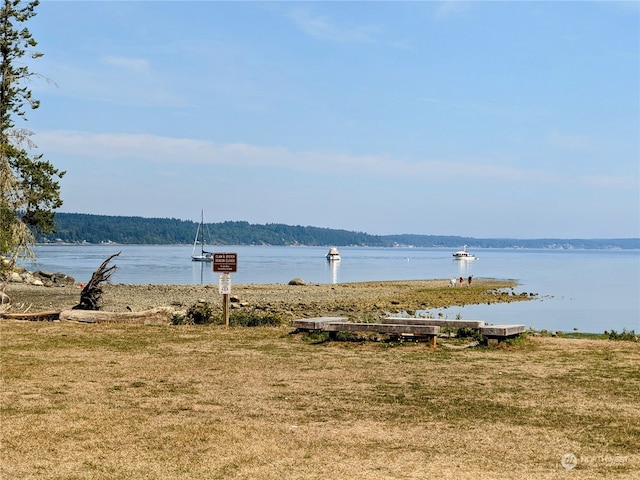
(464, 255)
(203, 256)
(333, 255)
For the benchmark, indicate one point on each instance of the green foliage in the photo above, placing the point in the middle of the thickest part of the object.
(469, 333)
(628, 335)
(15, 43)
(79, 228)
(40, 190)
(8, 222)
(582, 335)
(462, 333)
(315, 338)
(200, 313)
(449, 241)
(178, 319)
(29, 188)
(245, 319)
(519, 342)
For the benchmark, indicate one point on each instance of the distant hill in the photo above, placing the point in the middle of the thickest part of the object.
(553, 243)
(85, 228)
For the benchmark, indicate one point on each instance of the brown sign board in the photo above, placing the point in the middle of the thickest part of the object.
(225, 262)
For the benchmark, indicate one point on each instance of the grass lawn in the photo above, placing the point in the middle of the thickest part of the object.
(208, 402)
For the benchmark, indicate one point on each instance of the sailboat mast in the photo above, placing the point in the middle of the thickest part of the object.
(202, 228)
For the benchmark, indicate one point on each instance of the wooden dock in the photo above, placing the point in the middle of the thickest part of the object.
(429, 328)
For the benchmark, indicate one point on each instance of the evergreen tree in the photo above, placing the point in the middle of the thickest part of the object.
(29, 188)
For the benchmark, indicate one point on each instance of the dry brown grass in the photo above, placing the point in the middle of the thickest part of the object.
(184, 402)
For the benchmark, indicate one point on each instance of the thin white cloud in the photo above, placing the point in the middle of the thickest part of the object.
(567, 141)
(133, 64)
(112, 85)
(462, 106)
(324, 27)
(164, 152)
(450, 8)
(608, 181)
(478, 108)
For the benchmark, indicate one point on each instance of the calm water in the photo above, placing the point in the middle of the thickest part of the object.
(591, 290)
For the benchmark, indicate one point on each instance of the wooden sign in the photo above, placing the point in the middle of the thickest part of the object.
(225, 262)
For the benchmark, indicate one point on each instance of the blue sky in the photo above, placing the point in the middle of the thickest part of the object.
(484, 119)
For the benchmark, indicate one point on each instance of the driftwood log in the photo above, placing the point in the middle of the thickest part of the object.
(155, 316)
(46, 316)
(91, 294)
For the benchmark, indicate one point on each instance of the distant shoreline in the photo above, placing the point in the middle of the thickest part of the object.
(75, 228)
(115, 244)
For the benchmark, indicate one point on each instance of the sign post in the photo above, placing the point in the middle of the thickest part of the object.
(224, 287)
(225, 263)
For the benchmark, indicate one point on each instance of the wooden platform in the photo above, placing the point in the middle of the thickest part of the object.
(316, 323)
(502, 330)
(434, 321)
(499, 332)
(382, 328)
(334, 325)
(403, 326)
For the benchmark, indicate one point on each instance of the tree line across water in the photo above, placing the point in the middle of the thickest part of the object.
(86, 228)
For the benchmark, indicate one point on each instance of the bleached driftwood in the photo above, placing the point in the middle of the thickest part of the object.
(46, 316)
(155, 316)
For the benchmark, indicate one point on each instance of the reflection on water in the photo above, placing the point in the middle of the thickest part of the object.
(334, 267)
(464, 267)
(197, 272)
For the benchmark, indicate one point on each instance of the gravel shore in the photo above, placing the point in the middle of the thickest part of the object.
(368, 300)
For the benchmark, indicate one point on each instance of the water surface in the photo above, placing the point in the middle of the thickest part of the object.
(588, 290)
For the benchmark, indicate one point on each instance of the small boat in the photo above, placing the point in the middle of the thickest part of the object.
(333, 255)
(464, 255)
(203, 256)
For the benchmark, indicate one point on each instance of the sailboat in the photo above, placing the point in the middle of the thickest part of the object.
(203, 256)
